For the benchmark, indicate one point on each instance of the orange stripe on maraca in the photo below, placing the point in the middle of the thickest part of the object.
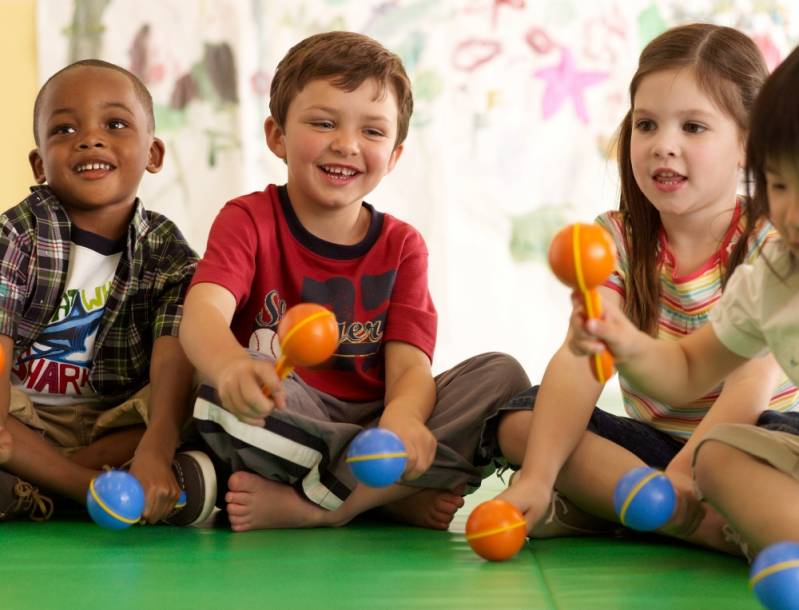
(578, 260)
(589, 302)
(304, 322)
(496, 530)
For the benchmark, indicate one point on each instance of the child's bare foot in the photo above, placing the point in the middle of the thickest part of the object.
(257, 503)
(5, 445)
(430, 508)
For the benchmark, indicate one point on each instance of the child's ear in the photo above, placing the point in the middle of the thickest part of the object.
(275, 138)
(395, 155)
(37, 165)
(155, 161)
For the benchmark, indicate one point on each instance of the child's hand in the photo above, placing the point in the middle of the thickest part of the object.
(161, 490)
(5, 445)
(241, 385)
(532, 499)
(689, 511)
(418, 440)
(612, 331)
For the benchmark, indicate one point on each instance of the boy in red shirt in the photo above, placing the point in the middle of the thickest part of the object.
(340, 107)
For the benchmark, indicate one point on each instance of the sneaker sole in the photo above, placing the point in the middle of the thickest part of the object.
(209, 490)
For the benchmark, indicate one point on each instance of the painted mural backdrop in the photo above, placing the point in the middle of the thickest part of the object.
(516, 107)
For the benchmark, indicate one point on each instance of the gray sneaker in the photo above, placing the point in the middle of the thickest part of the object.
(566, 519)
(19, 498)
(196, 476)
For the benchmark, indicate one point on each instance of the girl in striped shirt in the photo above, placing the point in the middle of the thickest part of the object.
(680, 232)
(747, 472)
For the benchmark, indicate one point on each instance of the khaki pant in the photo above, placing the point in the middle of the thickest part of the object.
(73, 427)
(776, 448)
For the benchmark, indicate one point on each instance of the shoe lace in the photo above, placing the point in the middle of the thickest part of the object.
(556, 502)
(29, 500)
(581, 524)
(730, 535)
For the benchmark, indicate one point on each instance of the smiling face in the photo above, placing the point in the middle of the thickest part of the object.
(686, 153)
(95, 141)
(337, 144)
(782, 189)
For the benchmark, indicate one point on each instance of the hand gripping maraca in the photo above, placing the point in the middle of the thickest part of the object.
(583, 256)
(308, 335)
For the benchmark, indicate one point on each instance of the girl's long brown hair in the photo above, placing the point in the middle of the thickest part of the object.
(730, 69)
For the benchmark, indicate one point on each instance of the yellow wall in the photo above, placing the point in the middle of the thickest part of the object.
(20, 82)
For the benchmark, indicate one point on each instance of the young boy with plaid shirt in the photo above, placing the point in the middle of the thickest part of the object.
(91, 293)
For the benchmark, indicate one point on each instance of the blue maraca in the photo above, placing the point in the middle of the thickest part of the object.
(115, 499)
(774, 576)
(644, 499)
(377, 457)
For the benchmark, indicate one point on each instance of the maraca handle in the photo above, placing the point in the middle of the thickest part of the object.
(283, 369)
(602, 363)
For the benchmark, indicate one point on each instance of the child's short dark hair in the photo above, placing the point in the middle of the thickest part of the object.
(138, 87)
(774, 128)
(347, 59)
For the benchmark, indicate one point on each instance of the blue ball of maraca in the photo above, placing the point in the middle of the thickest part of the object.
(377, 457)
(115, 499)
(644, 499)
(774, 576)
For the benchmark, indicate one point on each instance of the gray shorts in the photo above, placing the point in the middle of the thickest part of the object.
(305, 444)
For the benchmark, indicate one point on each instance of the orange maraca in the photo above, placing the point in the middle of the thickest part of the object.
(496, 530)
(308, 335)
(583, 256)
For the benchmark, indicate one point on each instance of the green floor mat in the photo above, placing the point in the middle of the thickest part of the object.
(75, 564)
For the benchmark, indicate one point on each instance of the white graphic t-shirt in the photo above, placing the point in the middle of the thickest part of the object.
(55, 369)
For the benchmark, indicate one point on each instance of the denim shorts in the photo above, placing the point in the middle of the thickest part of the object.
(653, 447)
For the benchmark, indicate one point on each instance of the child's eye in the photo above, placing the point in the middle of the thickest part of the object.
(694, 127)
(62, 130)
(776, 186)
(645, 125)
(374, 133)
(117, 124)
(323, 124)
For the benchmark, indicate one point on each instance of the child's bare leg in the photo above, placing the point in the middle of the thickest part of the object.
(257, 503)
(758, 500)
(113, 449)
(430, 508)
(512, 434)
(5, 445)
(37, 461)
(589, 477)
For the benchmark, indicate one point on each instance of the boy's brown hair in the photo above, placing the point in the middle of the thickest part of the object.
(729, 69)
(346, 59)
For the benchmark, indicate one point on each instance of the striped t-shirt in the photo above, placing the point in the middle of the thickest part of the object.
(685, 304)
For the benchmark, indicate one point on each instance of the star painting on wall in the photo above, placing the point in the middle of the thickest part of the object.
(564, 81)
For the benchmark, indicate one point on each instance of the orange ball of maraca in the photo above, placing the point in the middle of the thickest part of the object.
(308, 334)
(496, 530)
(593, 258)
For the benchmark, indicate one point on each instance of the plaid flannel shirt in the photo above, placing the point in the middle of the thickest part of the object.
(146, 298)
